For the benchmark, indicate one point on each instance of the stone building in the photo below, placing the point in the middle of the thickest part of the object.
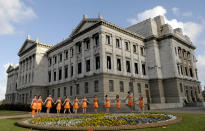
(149, 58)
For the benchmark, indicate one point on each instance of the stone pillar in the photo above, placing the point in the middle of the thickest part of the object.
(83, 63)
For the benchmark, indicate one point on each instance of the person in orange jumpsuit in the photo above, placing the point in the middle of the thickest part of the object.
(118, 103)
(95, 104)
(84, 104)
(130, 100)
(67, 105)
(39, 105)
(141, 104)
(58, 107)
(107, 104)
(48, 102)
(75, 105)
(34, 106)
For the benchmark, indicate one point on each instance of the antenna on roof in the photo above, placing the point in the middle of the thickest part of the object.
(28, 37)
(85, 16)
(100, 16)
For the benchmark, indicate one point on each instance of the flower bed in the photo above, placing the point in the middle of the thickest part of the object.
(98, 121)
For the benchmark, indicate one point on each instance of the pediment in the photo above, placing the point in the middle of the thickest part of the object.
(84, 24)
(27, 44)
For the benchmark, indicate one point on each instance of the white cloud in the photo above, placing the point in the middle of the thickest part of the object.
(2, 92)
(187, 14)
(190, 28)
(175, 11)
(13, 11)
(201, 67)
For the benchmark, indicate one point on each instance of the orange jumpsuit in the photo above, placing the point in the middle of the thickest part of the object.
(118, 103)
(58, 107)
(67, 104)
(107, 103)
(75, 105)
(49, 104)
(141, 102)
(39, 107)
(34, 106)
(130, 101)
(84, 105)
(95, 105)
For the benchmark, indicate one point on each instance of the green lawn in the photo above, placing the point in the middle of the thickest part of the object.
(7, 112)
(190, 122)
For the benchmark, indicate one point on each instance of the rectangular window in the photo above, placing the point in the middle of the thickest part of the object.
(86, 87)
(79, 47)
(181, 69)
(60, 57)
(64, 91)
(186, 71)
(97, 62)
(49, 76)
(118, 43)
(136, 68)
(66, 54)
(127, 46)
(121, 86)
(49, 61)
(55, 59)
(66, 72)
(143, 69)
(108, 62)
(71, 70)
(191, 73)
(71, 90)
(146, 86)
(71, 52)
(178, 67)
(54, 76)
(111, 86)
(119, 64)
(77, 89)
(139, 87)
(53, 93)
(96, 88)
(60, 74)
(87, 43)
(181, 87)
(96, 40)
(58, 92)
(142, 51)
(134, 48)
(128, 66)
(108, 39)
(79, 68)
(87, 65)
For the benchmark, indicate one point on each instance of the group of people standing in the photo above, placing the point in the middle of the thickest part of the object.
(36, 104)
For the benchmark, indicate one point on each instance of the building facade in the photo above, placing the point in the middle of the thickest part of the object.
(149, 59)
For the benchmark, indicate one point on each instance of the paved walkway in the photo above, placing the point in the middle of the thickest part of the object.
(16, 116)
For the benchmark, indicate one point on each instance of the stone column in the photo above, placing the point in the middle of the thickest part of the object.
(83, 57)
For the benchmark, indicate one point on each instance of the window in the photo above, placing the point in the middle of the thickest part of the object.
(55, 59)
(79, 68)
(119, 64)
(54, 75)
(66, 54)
(77, 89)
(181, 88)
(143, 69)
(121, 86)
(178, 67)
(96, 38)
(86, 87)
(87, 65)
(136, 68)
(128, 66)
(66, 72)
(108, 39)
(199, 91)
(87, 44)
(111, 86)
(58, 92)
(118, 43)
(71, 70)
(181, 69)
(146, 86)
(49, 76)
(196, 73)
(127, 46)
(139, 87)
(108, 62)
(53, 93)
(49, 61)
(64, 91)
(79, 47)
(186, 71)
(60, 57)
(71, 52)
(96, 88)
(97, 62)
(142, 51)
(71, 90)
(60, 74)
(134, 48)
(191, 73)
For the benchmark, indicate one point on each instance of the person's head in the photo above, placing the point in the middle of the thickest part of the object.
(106, 96)
(66, 97)
(95, 96)
(84, 97)
(49, 95)
(34, 97)
(117, 96)
(75, 97)
(59, 97)
(39, 97)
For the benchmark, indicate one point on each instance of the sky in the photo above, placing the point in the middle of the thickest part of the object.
(53, 20)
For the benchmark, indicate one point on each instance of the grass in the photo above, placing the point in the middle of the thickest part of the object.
(190, 122)
(7, 112)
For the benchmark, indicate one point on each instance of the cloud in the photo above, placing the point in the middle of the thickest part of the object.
(13, 11)
(190, 28)
(201, 67)
(187, 14)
